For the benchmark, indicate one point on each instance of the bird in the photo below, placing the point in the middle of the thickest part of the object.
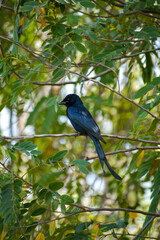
(83, 122)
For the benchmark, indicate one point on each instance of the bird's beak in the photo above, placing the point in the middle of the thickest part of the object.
(62, 103)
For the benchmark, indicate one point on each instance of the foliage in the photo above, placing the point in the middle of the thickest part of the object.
(108, 53)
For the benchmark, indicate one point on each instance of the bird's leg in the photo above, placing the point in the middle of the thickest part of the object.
(78, 133)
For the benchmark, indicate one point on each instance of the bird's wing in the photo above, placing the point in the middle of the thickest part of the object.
(82, 117)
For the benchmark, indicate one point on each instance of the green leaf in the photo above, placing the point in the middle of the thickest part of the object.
(51, 101)
(66, 199)
(80, 162)
(38, 212)
(141, 92)
(75, 37)
(42, 193)
(63, 208)
(35, 152)
(58, 74)
(13, 157)
(80, 47)
(65, 40)
(82, 226)
(25, 8)
(108, 227)
(121, 224)
(83, 169)
(57, 157)
(69, 47)
(87, 4)
(56, 186)
(48, 198)
(31, 3)
(55, 204)
(61, 28)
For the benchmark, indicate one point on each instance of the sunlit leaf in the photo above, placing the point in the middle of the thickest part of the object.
(140, 157)
(40, 236)
(52, 228)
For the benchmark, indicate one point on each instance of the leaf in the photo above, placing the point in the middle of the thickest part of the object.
(42, 193)
(40, 236)
(147, 88)
(48, 198)
(2, 235)
(69, 47)
(82, 226)
(55, 204)
(57, 157)
(87, 4)
(35, 152)
(95, 232)
(31, 3)
(25, 8)
(108, 227)
(51, 101)
(61, 28)
(83, 169)
(75, 37)
(38, 212)
(52, 228)
(58, 74)
(121, 224)
(80, 47)
(56, 185)
(140, 157)
(63, 208)
(80, 162)
(66, 199)
(133, 215)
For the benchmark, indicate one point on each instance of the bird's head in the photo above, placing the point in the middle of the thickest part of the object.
(70, 100)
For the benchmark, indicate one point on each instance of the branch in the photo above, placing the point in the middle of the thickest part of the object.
(126, 150)
(100, 6)
(88, 210)
(76, 135)
(8, 8)
(8, 170)
(128, 99)
(142, 230)
(136, 54)
(130, 235)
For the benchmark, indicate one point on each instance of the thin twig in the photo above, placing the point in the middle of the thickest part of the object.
(142, 230)
(8, 170)
(8, 8)
(131, 235)
(88, 210)
(126, 150)
(128, 99)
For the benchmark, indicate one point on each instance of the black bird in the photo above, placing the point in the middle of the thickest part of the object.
(83, 122)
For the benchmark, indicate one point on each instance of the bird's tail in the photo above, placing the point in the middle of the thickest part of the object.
(103, 158)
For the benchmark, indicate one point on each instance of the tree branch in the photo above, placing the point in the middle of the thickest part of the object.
(76, 135)
(142, 230)
(88, 210)
(8, 8)
(128, 99)
(126, 150)
(16, 176)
